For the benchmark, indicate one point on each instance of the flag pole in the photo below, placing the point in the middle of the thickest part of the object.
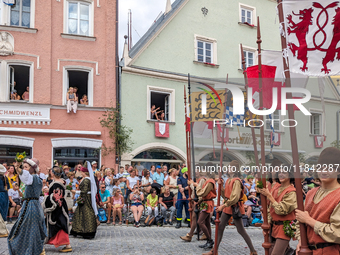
(189, 166)
(217, 220)
(252, 128)
(265, 226)
(304, 250)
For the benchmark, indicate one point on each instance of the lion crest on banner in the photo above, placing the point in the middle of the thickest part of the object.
(314, 29)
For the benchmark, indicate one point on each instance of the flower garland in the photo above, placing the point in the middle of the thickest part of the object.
(289, 227)
(204, 207)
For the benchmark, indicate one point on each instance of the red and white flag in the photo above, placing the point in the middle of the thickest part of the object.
(318, 140)
(313, 36)
(268, 83)
(277, 138)
(162, 129)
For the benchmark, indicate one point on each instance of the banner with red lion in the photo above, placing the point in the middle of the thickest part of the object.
(313, 36)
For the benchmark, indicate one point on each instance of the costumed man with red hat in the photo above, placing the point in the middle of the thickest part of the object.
(232, 206)
(322, 207)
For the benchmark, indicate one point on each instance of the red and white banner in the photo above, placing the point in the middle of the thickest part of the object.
(162, 129)
(313, 35)
(318, 140)
(277, 138)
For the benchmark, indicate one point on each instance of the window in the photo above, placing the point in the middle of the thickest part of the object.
(8, 153)
(19, 82)
(74, 156)
(204, 52)
(161, 103)
(315, 123)
(21, 13)
(79, 80)
(276, 118)
(249, 58)
(246, 16)
(79, 18)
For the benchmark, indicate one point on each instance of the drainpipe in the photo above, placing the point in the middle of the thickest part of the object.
(117, 70)
(337, 129)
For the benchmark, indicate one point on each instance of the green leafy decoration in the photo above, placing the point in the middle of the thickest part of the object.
(119, 134)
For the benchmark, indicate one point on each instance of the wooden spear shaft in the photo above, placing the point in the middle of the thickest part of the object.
(217, 221)
(293, 138)
(189, 152)
(265, 226)
(252, 128)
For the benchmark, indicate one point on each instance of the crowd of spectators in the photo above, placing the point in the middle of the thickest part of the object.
(157, 191)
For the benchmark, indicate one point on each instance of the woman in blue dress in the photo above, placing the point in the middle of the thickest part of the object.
(4, 186)
(29, 231)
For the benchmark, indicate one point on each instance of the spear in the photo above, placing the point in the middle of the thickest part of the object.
(217, 220)
(293, 139)
(265, 226)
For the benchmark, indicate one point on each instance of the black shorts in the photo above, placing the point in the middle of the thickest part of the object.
(17, 201)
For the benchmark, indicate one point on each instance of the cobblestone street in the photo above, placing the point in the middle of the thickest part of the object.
(152, 241)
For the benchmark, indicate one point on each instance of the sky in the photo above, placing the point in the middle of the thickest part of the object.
(144, 13)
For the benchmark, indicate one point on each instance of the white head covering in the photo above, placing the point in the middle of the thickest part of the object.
(93, 188)
(32, 164)
(2, 169)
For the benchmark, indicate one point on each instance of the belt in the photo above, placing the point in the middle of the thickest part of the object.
(30, 198)
(320, 246)
(278, 222)
(208, 199)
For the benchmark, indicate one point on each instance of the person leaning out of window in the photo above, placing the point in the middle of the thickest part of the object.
(71, 101)
(84, 100)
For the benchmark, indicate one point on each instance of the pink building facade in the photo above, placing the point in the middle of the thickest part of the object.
(45, 48)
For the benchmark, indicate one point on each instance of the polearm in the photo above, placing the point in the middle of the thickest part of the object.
(217, 220)
(304, 250)
(265, 226)
(252, 128)
(189, 151)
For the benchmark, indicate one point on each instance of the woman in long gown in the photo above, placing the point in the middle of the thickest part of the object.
(55, 207)
(29, 231)
(3, 229)
(84, 219)
(4, 187)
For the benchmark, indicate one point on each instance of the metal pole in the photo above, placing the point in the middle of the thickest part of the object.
(293, 138)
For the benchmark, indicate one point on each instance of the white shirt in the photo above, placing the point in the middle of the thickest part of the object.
(146, 181)
(13, 193)
(132, 181)
(166, 177)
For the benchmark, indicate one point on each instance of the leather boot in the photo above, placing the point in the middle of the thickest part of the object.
(253, 253)
(179, 224)
(203, 237)
(210, 245)
(186, 238)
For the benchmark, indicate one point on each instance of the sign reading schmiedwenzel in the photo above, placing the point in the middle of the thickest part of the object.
(20, 113)
(24, 112)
